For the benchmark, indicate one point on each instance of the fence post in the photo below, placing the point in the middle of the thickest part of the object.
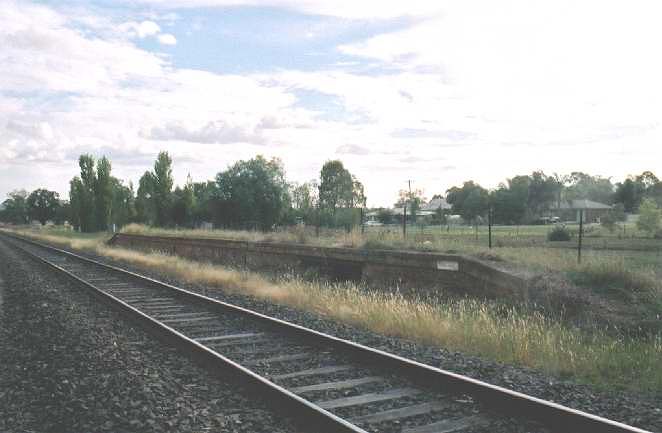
(362, 225)
(581, 234)
(489, 226)
(318, 222)
(404, 222)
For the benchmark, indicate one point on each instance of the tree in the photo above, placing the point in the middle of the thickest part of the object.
(339, 189)
(584, 186)
(162, 188)
(475, 205)
(336, 187)
(144, 204)
(207, 203)
(85, 191)
(42, 205)
(75, 205)
(647, 179)
(470, 201)
(62, 213)
(183, 204)
(358, 198)
(630, 194)
(411, 199)
(650, 186)
(253, 191)
(649, 217)
(611, 218)
(305, 201)
(15, 208)
(655, 193)
(103, 194)
(634, 189)
(510, 200)
(123, 206)
(302, 196)
(542, 193)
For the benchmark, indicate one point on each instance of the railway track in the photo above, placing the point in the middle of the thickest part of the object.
(323, 383)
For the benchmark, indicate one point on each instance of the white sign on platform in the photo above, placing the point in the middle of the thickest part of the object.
(446, 265)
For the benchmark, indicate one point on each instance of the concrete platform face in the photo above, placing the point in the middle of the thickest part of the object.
(408, 270)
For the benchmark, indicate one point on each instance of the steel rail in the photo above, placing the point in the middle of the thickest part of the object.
(298, 409)
(501, 400)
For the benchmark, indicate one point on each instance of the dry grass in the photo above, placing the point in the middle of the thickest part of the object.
(460, 242)
(489, 330)
(66, 239)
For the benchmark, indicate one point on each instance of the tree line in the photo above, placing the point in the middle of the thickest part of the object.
(250, 194)
(255, 194)
(524, 199)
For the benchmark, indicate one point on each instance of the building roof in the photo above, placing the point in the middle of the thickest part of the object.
(398, 211)
(581, 204)
(421, 212)
(435, 204)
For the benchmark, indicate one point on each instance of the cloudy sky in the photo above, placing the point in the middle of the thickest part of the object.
(433, 91)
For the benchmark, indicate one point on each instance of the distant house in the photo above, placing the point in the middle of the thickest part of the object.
(397, 213)
(424, 214)
(571, 210)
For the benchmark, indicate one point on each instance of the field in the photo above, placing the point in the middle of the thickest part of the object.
(487, 329)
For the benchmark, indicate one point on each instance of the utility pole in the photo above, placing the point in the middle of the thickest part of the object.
(404, 213)
(413, 215)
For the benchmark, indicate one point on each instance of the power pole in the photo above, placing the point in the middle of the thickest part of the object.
(413, 215)
(404, 212)
(404, 221)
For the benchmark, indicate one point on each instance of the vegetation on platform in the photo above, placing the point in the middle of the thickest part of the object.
(631, 269)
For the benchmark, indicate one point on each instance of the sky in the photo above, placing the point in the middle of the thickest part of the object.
(436, 92)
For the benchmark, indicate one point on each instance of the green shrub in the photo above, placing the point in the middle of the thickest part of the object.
(559, 233)
(649, 217)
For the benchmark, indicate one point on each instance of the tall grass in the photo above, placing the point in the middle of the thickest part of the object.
(486, 329)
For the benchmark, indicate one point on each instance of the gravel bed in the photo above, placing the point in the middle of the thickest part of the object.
(72, 365)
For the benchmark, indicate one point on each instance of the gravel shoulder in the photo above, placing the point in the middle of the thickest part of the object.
(72, 365)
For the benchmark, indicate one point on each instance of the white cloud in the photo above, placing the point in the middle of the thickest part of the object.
(364, 9)
(147, 28)
(352, 149)
(216, 132)
(141, 29)
(476, 90)
(41, 53)
(167, 39)
(75, 92)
